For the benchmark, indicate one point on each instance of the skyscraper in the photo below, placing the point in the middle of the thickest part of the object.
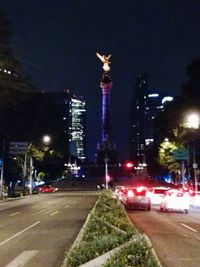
(77, 128)
(145, 107)
(73, 111)
(138, 122)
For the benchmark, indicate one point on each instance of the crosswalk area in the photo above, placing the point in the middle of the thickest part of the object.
(22, 259)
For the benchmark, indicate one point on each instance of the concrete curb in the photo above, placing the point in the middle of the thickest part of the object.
(152, 249)
(16, 198)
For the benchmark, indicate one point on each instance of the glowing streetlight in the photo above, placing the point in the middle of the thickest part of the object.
(46, 139)
(193, 121)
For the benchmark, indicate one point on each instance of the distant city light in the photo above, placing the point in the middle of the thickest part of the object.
(153, 95)
(167, 99)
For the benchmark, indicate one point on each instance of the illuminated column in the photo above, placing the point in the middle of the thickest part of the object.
(106, 86)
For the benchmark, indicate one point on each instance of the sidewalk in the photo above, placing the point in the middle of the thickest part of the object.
(5, 199)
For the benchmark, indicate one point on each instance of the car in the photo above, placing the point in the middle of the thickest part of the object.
(156, 194)
(48, 189)
(136, 198)
(175, 200)
(119, 191)
(188, 189)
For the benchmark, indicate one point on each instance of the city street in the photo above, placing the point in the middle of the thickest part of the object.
(38, 230)
(175, 236)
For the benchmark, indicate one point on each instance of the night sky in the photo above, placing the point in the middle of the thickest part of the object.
(57, 40)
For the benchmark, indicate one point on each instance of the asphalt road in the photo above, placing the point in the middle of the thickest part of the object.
(175, 236)
(38, 230)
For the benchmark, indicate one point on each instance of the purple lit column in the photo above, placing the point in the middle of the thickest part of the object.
(106, 86)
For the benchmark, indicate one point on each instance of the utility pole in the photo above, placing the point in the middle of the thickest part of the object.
(182, 173)
(2, 166)
(195, 173)
(31, 175)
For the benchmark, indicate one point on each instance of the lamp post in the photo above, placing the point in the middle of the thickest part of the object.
(46, 139)
(106, 171)
(31, 175)
(2, 166)
(193, 121)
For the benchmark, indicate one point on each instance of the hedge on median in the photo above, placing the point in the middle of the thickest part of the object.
(108, 227)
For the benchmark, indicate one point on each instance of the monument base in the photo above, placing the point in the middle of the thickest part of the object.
(106, 151)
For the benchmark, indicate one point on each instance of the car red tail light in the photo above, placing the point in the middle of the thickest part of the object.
(191, 192)
(130, 193)
(140, 188)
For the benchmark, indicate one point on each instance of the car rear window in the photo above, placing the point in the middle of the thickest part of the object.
(160, 191)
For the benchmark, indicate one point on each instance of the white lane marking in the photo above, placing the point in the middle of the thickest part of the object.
(15, 213)
(22, 259)
(67, 206)
(19, 233)
(192, 229)
(38, 212)
(54, 213)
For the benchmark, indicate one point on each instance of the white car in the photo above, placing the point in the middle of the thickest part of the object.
(175, 200)
(156, 194)
(119, 191)
(136, 198)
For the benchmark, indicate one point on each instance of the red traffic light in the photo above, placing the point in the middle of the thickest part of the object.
(107, 178)
(129, 165)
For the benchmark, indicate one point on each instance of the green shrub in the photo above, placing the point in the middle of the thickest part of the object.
(137, 253)
(108, 227)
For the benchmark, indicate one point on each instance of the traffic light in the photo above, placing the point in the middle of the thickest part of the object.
(107, 178)
(129, 165)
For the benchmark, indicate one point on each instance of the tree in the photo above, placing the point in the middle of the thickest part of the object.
(166, 156)
(190, 89)
(25, 114)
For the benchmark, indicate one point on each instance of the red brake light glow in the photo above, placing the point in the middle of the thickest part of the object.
(140, 188)
(129, 165)
(130, 193)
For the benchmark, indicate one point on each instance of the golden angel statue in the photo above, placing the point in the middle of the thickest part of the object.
(105, 61)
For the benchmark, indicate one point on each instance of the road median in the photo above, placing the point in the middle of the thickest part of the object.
(109, 239)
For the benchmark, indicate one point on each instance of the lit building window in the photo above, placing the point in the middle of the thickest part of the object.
(148, 141)
(153, 95)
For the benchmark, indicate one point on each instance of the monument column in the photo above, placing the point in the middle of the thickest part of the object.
(106, 86)
(106, 149)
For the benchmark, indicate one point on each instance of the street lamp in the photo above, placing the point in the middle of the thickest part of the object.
(2, 168)
(46, 139)
(193, 122)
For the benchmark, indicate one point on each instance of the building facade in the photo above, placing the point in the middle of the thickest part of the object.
(73, 111)
(138, 122)
(77, 117)
(145, 107)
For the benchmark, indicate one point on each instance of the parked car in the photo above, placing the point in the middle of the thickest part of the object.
(48, 189)
(156, 194)
(136, 198)
(175, 200)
